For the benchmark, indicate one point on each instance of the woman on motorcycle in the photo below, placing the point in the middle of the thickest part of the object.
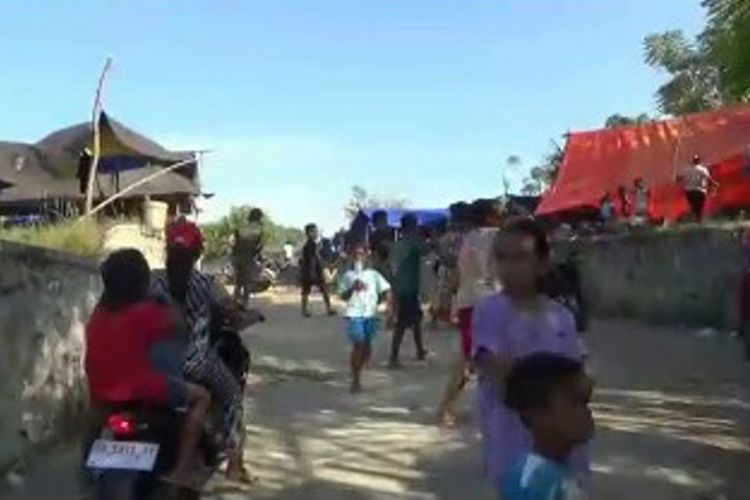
(123, 340)
(197, 297)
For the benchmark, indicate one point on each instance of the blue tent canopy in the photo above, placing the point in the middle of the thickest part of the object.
(426, 217)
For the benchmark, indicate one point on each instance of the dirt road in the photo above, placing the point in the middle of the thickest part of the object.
(672, 407)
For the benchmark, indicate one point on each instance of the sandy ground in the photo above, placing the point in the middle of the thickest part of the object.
(672, 408)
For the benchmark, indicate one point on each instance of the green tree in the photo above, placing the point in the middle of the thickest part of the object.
(711, 71)
(218, 235)
(618, 120)
(512, 164)
(542, 176)
(726, 39)
(694, 78)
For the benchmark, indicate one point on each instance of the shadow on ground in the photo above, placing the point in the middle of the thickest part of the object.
(672, 411)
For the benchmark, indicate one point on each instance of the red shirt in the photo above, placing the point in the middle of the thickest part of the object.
(118, 353)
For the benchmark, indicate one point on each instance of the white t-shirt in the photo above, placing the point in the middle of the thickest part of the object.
(696, 178)
(364, 303)
(289, 251)
(476, 269)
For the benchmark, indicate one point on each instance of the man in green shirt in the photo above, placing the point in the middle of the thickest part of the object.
(406, 257)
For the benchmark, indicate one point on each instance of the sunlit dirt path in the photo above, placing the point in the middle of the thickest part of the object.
(672, 407)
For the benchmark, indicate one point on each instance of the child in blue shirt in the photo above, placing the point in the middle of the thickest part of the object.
(364, 289)
(552, 394)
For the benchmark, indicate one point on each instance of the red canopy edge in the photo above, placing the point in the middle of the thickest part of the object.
(601, 161)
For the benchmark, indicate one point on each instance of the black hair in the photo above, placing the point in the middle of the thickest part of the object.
(309, 228)
(526, 226)
(534, 378)
(482, 211)
(126, 277)
(380, 215)
(459, 212)
(256, 215)
(409, 221)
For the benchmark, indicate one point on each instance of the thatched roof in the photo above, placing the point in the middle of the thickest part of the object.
(48, 168)
(62, 149)
(23, 173)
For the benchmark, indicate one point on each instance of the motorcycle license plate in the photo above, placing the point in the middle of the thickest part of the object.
(123, 455)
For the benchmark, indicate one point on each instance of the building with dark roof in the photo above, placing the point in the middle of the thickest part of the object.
(44, 178)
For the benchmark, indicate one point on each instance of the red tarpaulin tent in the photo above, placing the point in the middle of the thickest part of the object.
(602, 161)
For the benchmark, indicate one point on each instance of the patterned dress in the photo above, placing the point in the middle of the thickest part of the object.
(202, 363)
(503, 330)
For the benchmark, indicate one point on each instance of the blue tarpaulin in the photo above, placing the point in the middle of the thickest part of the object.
(120, 163)
(426, 217)
(359, 230)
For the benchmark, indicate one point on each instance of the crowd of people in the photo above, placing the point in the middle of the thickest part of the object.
(519, 319)
(518, 334)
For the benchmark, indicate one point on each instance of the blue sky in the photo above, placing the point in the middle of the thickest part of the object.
(301, 99)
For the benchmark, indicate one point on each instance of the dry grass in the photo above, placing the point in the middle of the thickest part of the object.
(84, 238)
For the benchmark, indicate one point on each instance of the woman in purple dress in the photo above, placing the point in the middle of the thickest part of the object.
(519, 321)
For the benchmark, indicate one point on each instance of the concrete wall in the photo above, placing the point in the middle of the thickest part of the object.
(134, 235)
(45, 299)
(680, 277)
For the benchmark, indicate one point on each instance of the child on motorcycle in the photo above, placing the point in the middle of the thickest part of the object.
(123, 341)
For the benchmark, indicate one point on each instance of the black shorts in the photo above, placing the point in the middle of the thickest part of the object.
(307, 285)
(697, 201)
(408, 311)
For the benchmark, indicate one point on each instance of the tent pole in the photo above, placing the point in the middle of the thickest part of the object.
(95, 119)
(680, 133)
(138, 183)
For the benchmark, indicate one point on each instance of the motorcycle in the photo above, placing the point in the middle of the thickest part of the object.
(127, 448)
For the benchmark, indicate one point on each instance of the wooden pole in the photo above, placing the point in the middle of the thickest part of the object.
(95, 118)
(140, 182)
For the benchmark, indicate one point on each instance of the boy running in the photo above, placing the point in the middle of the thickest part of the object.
(363, 288)
(407, 265)
(311, 271)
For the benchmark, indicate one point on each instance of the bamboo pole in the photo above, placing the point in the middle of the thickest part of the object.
(140, 182)
(95, 119)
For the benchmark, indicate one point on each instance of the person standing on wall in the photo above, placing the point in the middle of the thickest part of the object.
(623, 205)
(697, 179)
(641, 203)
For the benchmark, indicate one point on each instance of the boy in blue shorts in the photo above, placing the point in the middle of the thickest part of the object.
(551, 394)
(363, 288)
